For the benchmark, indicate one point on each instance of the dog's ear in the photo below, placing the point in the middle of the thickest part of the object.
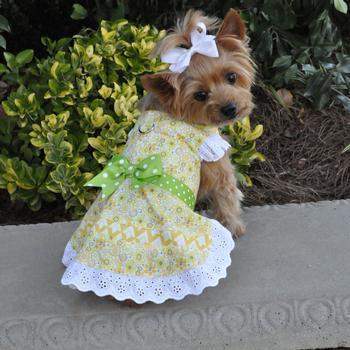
(232, 25)
(164, 85)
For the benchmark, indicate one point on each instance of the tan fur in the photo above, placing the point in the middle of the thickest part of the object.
(219, 185)
(174, 93)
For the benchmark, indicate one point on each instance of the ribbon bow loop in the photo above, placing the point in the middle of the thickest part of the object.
(204, 44)
(119, 169)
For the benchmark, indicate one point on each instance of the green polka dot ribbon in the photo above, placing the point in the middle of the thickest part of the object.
(147, 171)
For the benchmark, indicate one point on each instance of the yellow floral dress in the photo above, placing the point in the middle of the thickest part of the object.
(146, 244)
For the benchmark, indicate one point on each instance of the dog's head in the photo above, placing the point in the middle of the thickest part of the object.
(211, 90)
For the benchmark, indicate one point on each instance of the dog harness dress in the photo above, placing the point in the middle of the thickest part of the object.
(141, 239)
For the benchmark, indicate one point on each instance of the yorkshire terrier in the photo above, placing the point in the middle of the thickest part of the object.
(211, 91)
(207, 85)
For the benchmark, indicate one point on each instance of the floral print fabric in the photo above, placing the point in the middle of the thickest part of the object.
(148, 231)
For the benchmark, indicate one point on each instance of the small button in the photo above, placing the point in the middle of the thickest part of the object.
(144, 129)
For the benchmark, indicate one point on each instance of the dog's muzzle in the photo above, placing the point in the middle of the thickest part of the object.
(229, 111)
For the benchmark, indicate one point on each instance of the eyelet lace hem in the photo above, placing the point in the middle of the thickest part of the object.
(154, 289)
(213, 148)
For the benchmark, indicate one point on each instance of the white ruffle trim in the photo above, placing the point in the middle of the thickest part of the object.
(155, 289)
(213, 148)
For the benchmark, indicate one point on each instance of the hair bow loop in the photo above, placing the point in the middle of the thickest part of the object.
(180, 58)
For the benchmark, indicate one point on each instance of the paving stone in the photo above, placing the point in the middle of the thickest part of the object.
(288, 288)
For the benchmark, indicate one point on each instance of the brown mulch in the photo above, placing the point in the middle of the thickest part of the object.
(304, 159)
(304, 162)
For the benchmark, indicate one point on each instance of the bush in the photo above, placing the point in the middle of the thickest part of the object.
(243, 151)
(4, 27)
(71, 111)
(298, 45)
(32, 19)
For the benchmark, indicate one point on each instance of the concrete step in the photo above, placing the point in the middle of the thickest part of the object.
(288, 288)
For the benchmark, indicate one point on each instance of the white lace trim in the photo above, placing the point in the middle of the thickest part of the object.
(155, 289)
(213, 148)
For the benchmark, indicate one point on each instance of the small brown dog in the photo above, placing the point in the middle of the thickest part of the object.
(211, 90)
(138, 241)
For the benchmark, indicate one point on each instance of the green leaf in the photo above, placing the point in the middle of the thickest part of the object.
(347, 148)
(292, 73)
(344, 65)
(11, 187)
(318, 87)
(341, 6)
(118, 12)
(57, 150)
(265, 45)
(2, 42)
(282, 62)
(280, 13)
(79, 12)
(308, 69)
(24, 57)
(345, 101)
(8, 110)
(10, 60)
(256, 133)
(62, 42)
(3, 68)
(4, 24)
(97, 143)
(40, 174)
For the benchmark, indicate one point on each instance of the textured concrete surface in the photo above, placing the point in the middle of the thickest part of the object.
(288, 288)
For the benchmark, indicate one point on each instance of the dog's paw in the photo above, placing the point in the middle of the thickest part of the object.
(131, 303)
(236, 228)
(240, 230)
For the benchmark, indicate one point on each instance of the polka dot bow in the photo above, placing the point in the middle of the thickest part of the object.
(119, 168)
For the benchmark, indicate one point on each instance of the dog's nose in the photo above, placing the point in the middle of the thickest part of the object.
(229, 110)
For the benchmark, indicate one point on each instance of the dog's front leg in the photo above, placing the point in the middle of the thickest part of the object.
(219, 185)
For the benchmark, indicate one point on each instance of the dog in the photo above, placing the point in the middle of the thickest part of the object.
(141, 240)
(210, 91)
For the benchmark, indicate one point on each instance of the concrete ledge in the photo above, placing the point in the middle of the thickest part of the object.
(288, 288)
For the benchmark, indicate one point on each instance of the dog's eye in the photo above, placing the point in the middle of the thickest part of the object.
(183, 46)
(200, 96)
(231, 77)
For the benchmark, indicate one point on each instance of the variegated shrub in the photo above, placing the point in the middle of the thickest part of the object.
(71, 111)
(243, 151)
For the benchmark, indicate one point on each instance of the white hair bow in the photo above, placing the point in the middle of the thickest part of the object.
(201, 43)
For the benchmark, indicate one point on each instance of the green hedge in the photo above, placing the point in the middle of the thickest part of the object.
(71, 111)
